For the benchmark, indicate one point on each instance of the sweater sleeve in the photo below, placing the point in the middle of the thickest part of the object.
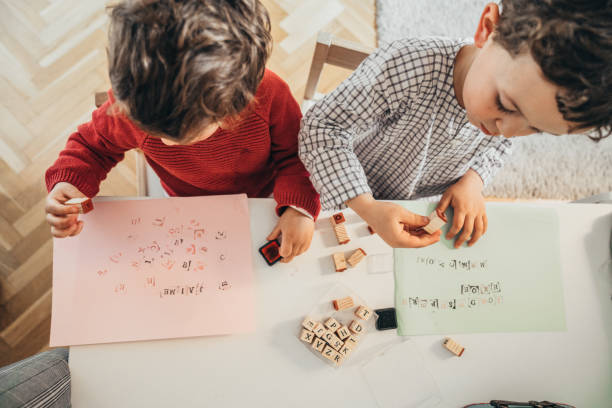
(93, 150)
(292, 185)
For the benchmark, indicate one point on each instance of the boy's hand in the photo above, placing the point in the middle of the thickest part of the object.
(465, 196)
(63, 218)
(397, 226)
(296, 230)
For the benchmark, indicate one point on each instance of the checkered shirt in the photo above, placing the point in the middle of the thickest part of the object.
(395, 129)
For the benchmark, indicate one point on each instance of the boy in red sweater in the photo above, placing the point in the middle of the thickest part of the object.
(190, 89)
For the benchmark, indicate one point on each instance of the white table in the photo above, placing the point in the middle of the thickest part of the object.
(272, 368)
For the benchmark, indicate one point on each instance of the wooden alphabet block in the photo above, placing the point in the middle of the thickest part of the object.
(318, 344)
(332, 355)
(343, 332)
(363, 312)
(341, 234)
(84, 204)
(307, 336)
(436, 221)
(319, 330)
(332, 324)
(332, 340)
(344, 303)
(308, 323)
(345, 350)
(339, 261)
(351, 342)
(338, 218)
(453, 347)
(356, 327)
(356, 257)
(337, 221)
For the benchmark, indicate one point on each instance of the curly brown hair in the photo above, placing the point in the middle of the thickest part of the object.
(177, 67)
(571, 41)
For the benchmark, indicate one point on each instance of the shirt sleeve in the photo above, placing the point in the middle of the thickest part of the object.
(93, 150)
(292, 186)
(378, 87)
(489, 157)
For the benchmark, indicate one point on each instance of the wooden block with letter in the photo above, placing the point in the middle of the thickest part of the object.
(356, 257)
(307, 336)
(332, 355)
(356, 327)
(339, 261)
(332, 340)
(453, 347)
(344, 303)
(436, 221)
(343, 332)
(319, 330)
(363, 312)
(351, 342)
(332, 324)
(345, 350)
(84, 204)
(337, 221)
(318, 344)
(309, 323)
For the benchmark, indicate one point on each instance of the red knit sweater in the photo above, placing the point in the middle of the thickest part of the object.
(258, 156)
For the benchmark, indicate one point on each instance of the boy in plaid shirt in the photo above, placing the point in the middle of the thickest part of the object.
(422, 117)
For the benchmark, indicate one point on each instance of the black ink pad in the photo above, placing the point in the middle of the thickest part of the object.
(386, 319)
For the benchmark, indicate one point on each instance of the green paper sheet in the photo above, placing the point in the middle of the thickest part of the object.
(509, 281)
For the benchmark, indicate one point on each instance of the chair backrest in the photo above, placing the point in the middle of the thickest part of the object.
(100, 98)
(334, 51)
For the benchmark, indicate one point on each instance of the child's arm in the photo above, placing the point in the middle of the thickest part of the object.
(293, 191)
(377, 90)
(292, 185)
(89, 155)
(92, 151)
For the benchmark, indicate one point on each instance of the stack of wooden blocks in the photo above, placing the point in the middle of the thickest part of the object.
(340, 261)
(332, 339)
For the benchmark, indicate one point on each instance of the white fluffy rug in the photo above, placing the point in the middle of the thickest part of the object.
(541, 166)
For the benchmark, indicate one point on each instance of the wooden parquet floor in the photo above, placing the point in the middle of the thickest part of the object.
(52, 60)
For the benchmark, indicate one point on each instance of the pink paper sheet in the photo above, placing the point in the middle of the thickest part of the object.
(155, 269)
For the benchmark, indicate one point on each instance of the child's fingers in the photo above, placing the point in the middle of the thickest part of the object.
(478, 230)
(412, 220)
(408, 240)
(61, 222)
(79, 229)
(468, 227)
(286, 247)
(485, 223)
(62, 233)
(444, 202)
(274, 234)
(56, 208)
(458, 220)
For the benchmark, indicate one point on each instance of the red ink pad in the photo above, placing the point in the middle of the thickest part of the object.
(339, 218)
(270, 252)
